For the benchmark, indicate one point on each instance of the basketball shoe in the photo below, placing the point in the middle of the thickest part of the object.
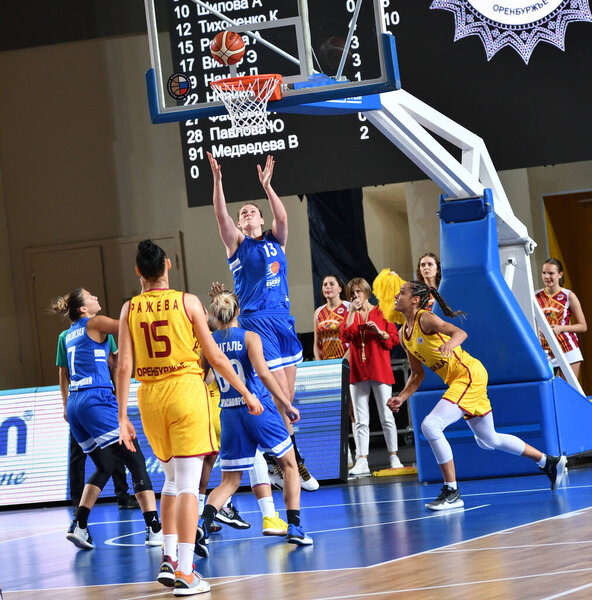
(190, 585)
(80, 537)
(361, 468)
(307, 482)
(152, 538)
(447, 500)
(554, 469)
(201, 540)
(297, 536)
(229, 516)
(274, 526)
(166, 575)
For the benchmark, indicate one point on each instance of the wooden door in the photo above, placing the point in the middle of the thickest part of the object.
(569, 234)
(55, 272)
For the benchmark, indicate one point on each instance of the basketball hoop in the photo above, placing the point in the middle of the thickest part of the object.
(246, 100)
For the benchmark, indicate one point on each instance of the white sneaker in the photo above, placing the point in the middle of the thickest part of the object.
(153, 539)
(80, 537)
(307, 482)
(361, 468)
(395, 462)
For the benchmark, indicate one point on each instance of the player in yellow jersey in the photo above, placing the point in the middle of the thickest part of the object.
(428, 340)
(162, 329)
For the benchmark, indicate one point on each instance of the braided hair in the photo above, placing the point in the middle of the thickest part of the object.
(423, 291)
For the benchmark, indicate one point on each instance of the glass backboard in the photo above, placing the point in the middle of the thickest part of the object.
(324, 50)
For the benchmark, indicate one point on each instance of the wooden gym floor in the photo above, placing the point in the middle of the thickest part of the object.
(375, 539)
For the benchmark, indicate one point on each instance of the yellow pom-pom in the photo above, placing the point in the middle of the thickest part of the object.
(385, 287)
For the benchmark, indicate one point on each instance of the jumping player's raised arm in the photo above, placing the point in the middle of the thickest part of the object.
(231, 236)
(279, 226)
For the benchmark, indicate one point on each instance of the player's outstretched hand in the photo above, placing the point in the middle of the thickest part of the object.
(127, 434)
(293, 414)
(395, 403)
(216, 168)
(266, 173)
(255, 407)
(216, 288)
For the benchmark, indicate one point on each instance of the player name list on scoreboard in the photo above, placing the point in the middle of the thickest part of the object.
(296, 141)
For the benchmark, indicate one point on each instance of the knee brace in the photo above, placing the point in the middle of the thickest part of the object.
(432, 427)
(187, 474)
(169, 488)
(103, 461)
(136, 464)
(259, 474)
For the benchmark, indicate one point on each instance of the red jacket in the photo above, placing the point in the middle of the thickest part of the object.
(377, 366)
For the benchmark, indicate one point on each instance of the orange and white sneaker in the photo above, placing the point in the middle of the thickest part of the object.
(189, 585)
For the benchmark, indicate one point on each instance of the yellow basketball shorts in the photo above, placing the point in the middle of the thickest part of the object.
(215, 412)
(177, 417)
(469, 390)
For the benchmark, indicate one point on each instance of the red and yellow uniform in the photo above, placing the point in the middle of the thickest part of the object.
(173, 398)
(329, 325)
(214, 394)
(557, 312)
(464, 375)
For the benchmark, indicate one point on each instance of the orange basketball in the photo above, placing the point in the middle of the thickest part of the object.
(227, 48)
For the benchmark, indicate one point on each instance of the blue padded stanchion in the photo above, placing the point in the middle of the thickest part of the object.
(527, 401)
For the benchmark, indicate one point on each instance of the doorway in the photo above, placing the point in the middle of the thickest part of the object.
(568, 220)
(104, 267)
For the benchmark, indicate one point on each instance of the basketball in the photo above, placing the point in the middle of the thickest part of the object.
(227, 48)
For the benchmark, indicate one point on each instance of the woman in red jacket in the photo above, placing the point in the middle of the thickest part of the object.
(371, 338)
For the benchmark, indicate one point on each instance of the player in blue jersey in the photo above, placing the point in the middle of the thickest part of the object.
(257, 260)
(242, 433)
(92, 413)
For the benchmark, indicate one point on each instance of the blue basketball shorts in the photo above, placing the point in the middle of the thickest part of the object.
(92, 415)
(281, 346)
(242, 433)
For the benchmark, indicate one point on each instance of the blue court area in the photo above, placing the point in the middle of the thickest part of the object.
(353, 525)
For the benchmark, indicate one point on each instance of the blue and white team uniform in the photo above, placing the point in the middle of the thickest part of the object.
(92, 406)
(260, 274)
(242, 432)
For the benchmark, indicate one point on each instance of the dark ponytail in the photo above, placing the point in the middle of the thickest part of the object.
(421, 289)
(150, 260)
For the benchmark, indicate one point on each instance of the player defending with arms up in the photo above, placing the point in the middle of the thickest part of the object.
(257, 260)
(162, 328)
(436, 343)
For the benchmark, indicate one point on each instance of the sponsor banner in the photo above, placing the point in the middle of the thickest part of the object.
(34, 438)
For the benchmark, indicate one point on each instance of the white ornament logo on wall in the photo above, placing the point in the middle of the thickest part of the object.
(519, 24)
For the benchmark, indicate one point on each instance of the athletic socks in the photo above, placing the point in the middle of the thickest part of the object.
(267, 507)
(170, 545)
(451, 484)
(293, 517)
(541, 463)
(82, 517)
(151, 518)
(202, 502)
(185, 558)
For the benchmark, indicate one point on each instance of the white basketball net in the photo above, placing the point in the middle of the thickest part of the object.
(246, 102)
